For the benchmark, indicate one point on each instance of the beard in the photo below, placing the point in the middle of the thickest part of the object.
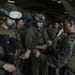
(9, 25)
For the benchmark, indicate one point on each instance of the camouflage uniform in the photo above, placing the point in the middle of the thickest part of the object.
(52, 33)
(30, 38)
(30, 42)
(65, 57)
(22, 32)
(35, 37)
(15, 35)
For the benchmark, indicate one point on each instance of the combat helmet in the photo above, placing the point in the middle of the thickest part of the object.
(10, 10)
(39, 17)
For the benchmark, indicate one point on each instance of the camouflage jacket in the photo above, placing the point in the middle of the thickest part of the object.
(52, 33)
(12, 33)
(30, 38)
(35, 37)
(42, 36)
(65, 52)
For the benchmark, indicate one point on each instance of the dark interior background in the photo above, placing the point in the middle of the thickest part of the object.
(50, 8)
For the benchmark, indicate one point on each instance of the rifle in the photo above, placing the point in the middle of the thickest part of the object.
(10, 45)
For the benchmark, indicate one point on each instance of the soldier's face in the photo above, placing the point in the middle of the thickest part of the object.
(50, 26)
(56, 25)
(66, 26)
(39, 24)
(10, 22)
(20, 23)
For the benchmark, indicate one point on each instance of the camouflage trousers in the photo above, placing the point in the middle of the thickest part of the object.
(35, 65)
(38, 67)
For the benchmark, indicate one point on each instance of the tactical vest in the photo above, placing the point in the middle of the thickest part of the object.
(11, 33)
(41, 37)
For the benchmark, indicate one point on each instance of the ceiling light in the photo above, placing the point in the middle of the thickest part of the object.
(11, 1)
(59, 1)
